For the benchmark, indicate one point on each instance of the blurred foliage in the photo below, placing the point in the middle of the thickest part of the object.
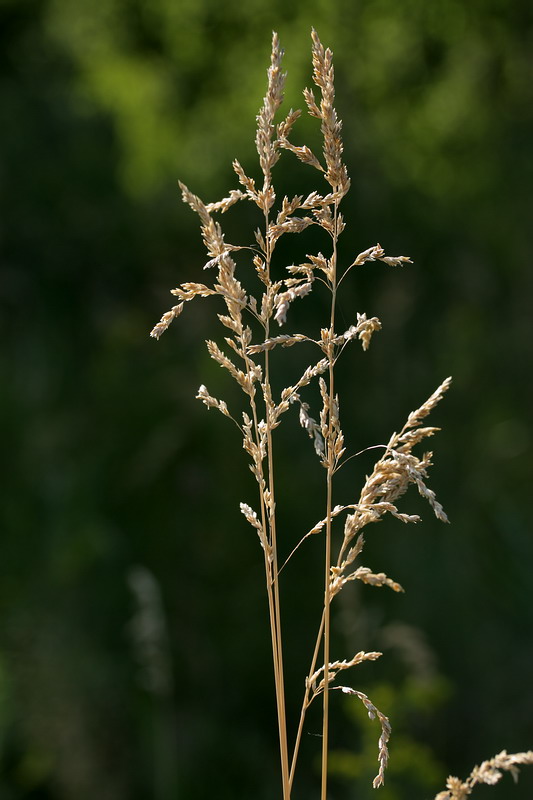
(110, 470)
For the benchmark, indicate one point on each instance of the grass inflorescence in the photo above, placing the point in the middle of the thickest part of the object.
(252, 324)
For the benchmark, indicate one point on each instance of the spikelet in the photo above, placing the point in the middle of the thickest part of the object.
(316, 681)
(165, 321)
(373, 713)
(323, 76)
(266, 147)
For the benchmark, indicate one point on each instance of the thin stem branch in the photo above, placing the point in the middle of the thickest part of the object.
(327, 617)
(305, 703)
(329, 507)
(273, 578)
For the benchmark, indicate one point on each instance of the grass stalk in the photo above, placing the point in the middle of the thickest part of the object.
(327, 617)
(274, 571)
(331, 460)
(250, 365)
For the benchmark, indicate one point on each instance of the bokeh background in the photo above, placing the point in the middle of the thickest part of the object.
(134, 648)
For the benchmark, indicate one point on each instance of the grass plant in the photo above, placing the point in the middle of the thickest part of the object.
(252, 319)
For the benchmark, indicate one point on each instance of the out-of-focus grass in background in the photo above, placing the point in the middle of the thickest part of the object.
(134, 657)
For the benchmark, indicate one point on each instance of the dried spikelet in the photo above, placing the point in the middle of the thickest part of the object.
(363, 515)
(165, 321)
(222, 205)
(395, 513)
(323, 76)
(256, 450)
(245, 381)
(211, 230)
(356, 331)
(326, 406)
(252, 518)
(377, 253)
(186, 292)
(311, 426)
(288, 207)
(335, 667)
(303, 153)
(321, 523)
(489, 772)
(233, 325)
(266, 148)
(393, 474)
(236, 346)
(329, 199)
(285, 340)
(189, 290)
(248, 441)
(311, 372)
(195, 203)
(325, 265)
(211, 402)
(457, 790)
(383, 752)
(428, 494)
(313, 199)
(283, 300)
(327, 340)
(284, 128)
(214, 262)
(230, 289)
(368, 255)
(365, 328)
(270, 405)
(290, 393)
(389, 480)
(270, 505)
(365, 575)
(410, 438)
(301, 269)
(324, 218)
(290, 282)
(312, 107)
(396, 261)
(260, 240)
(415, 417)
(335, 434)
(266, 197)
(248, 183)
(291, 225)
(268, 300)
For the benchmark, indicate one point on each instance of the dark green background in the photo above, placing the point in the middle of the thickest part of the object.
(134, 651)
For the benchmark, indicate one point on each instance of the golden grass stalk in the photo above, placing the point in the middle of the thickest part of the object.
(247, 357)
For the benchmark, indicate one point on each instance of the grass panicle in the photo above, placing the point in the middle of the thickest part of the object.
(250, 349)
